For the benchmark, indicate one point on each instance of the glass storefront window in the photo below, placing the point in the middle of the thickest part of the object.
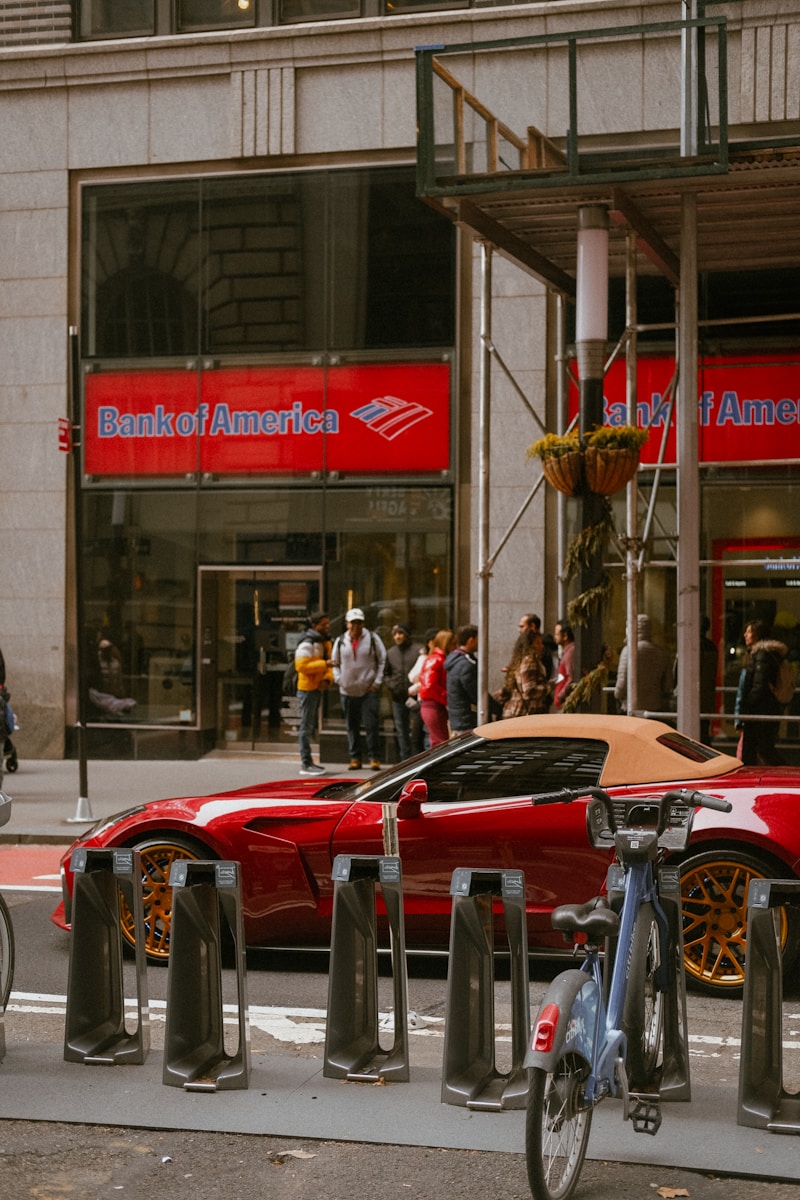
(255, 528)
(264, 264)
(751, 570)
(139, 588)
(267, 556)
(279, 263)
(140, 270)
(397, 290)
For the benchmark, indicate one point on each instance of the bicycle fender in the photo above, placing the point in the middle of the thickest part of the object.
(577, 998)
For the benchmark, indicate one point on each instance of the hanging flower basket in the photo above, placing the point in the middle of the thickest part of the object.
(609, 471)
(565, 473)
(561, 457)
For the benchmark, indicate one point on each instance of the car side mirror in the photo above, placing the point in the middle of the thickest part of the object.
(412, 798)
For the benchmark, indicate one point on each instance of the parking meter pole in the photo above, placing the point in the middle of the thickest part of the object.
(352, 1044)
(471, 1077)
(195, 1057)
(675, 1075)
(95, 1029)
(763, 1101)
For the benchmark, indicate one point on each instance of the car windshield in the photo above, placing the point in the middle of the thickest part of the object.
(471, 768)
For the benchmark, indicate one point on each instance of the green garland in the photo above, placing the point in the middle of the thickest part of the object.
(585, 687)
(589, 542)
(580, 609)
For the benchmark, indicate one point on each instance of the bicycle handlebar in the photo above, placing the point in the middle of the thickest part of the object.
(688, 796)
(700, 799)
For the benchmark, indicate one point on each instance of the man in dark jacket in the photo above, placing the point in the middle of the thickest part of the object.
(400, 658)
(461, 666)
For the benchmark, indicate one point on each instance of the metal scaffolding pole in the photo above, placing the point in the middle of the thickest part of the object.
(632, 544)
(562, 416)
(484, 480)
(688, 480)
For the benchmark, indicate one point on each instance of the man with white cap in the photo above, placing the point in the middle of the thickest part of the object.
(359, 658)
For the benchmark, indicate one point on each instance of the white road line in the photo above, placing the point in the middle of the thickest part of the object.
(306, 1025)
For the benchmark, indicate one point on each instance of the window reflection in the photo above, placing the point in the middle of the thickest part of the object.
(343, 260)
(209, 14)
(309, 10)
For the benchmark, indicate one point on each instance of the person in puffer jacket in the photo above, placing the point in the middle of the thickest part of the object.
(756, 696)
(461, 667)
(433, 688)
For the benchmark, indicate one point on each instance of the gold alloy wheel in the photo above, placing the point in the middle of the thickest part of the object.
(157, 859)
(714, 906)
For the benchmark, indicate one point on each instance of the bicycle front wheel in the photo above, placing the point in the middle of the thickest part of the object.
(557, 1127)
(643, 1010)
(6, 953)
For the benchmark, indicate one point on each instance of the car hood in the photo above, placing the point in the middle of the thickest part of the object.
(282, 802)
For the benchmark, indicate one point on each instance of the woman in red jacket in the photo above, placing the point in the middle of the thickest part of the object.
(433, 687)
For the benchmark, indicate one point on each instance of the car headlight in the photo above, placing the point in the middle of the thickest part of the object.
(109, 822)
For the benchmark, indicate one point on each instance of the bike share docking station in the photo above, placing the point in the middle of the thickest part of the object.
(95, 1029)
(352, 1044)
(195, 1055)
(763, 1101)
(470, 1075)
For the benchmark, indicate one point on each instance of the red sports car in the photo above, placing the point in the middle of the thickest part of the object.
(477, 814)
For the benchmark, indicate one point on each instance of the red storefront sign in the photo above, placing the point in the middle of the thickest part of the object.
(748, 408)
(367, 418)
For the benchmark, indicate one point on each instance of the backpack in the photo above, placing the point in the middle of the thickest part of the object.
(783, 687)
(289, 685)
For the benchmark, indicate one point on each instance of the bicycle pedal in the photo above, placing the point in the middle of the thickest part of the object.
(645, 1114)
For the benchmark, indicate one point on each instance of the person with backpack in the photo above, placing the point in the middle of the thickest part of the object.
(312, 662)
(759, 695)
(359, 660)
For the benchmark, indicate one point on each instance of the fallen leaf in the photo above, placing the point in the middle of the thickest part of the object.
(669, 1193)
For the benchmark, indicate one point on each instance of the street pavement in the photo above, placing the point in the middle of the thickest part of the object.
(292, 1132)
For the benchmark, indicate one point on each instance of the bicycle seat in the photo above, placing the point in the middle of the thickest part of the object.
(594, 918)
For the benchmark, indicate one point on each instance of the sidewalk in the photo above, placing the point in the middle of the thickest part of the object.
(45, 792)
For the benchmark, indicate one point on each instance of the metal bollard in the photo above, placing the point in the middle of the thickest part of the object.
(195, 1057)
(352, 1046)
(95, 1022)
(763, 1102)
(471, 1078)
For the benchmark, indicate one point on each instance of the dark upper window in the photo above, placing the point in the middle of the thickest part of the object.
(215, 14)
(277, 263)
(110, 18)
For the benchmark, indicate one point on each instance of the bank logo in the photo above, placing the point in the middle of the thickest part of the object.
(389, 416)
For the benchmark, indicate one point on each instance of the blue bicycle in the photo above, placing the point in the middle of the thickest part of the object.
(600, 1030)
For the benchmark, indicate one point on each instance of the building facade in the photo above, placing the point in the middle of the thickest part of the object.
(213, 262)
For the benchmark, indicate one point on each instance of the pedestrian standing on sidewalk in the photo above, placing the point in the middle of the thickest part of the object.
(359, 660)
(461, 672)
(312, 661)
(400, 658)
(433, 687)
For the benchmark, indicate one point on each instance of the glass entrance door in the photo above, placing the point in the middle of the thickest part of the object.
(250, 623)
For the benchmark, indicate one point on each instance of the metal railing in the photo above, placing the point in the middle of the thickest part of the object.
(444, 169)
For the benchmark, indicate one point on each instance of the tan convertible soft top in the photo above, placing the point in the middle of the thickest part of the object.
(639, 750)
